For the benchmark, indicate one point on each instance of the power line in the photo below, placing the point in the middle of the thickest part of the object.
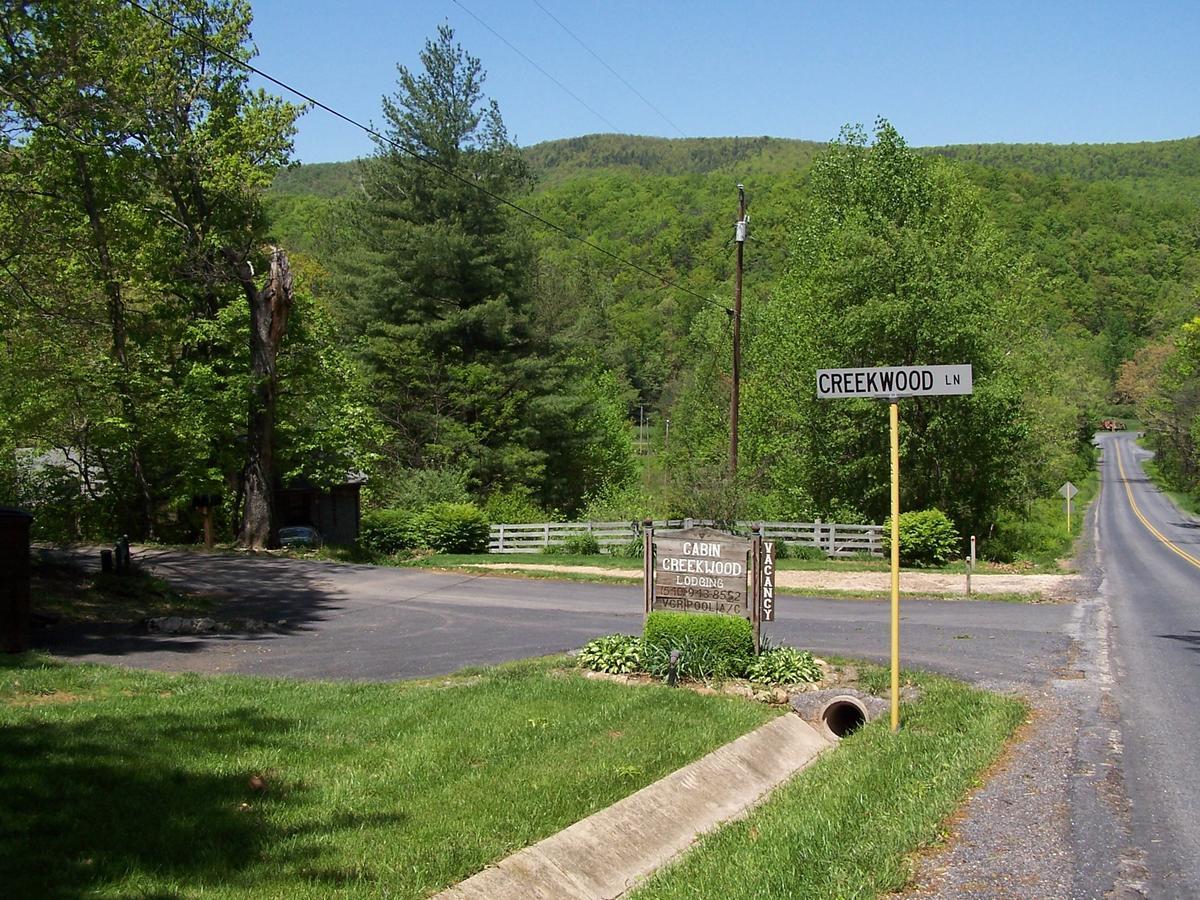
(433, 164)
(618, 75)
(514, 49)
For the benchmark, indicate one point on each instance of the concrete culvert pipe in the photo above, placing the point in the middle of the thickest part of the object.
(843, 715)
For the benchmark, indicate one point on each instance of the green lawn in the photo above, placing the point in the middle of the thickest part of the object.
(117, 783)
(849, 825)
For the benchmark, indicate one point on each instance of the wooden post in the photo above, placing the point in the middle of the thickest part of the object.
(756, 552)
(647, 566)
(14, 580)
(970, 565)
(735, 385)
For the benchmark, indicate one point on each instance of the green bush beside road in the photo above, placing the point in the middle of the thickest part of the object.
(711, 645)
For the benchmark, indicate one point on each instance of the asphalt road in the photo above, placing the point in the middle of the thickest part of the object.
(1150, 557)
(359, 622)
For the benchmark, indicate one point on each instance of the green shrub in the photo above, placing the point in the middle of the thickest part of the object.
(453, 528)
(927, 538)
(516, 506)
(634, 548)
(1036, 532)
(712, 645)
(618, 654)
(388, 531)
(786, 550)
(783, 665)
(583, 543)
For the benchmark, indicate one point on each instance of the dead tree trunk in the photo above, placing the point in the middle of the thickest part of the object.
(269, 310)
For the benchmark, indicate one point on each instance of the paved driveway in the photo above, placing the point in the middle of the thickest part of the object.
(333, 620)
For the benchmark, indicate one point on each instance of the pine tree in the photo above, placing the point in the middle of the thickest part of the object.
(439, 275)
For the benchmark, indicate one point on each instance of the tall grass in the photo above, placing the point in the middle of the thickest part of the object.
(849, 825)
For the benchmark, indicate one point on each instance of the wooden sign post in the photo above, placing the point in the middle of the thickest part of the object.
(703, 570)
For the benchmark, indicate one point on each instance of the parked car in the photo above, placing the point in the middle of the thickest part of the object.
(300, 536)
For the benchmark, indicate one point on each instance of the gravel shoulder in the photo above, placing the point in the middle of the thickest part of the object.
(1051, 586)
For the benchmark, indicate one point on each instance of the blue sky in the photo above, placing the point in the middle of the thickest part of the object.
(942, 72)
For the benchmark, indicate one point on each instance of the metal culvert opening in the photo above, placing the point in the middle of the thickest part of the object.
(842, 716)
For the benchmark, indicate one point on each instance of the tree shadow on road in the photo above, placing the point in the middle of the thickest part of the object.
(1191, 639)
(249, 598)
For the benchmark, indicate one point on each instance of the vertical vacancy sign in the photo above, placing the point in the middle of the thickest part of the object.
(893, 383)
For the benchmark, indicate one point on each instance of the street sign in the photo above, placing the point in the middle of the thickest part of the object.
(1067, 492)
(890, 382)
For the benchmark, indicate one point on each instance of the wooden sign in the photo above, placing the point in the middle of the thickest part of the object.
(700, 570)
(703, 570)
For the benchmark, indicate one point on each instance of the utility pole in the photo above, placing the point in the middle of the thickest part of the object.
(734, 395)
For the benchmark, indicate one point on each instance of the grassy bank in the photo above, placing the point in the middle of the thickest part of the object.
(1187, 502)
(124, 783)
(849, 825)
(60, 591)
(1039, 537)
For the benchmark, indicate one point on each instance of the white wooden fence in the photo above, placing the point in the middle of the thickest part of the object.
(834, 539)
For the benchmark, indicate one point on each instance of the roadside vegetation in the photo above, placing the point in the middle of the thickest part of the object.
(852, 823)
(1161, 382)
(1188, 502)
(235, 786)
(123, 783)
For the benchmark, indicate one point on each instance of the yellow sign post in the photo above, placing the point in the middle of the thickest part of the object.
(895, 423)
(1068, 492)
(892, 383)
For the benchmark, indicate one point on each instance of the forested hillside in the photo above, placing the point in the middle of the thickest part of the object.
(1114, 226)
(1164, 170)
(1105, 241)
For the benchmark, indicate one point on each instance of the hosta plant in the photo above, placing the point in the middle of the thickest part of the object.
(617, 654)
(783, 665)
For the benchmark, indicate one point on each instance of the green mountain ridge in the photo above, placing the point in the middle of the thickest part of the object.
(1114, 230)
(1146, 167)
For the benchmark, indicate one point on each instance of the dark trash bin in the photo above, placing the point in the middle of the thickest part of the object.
(14, 579)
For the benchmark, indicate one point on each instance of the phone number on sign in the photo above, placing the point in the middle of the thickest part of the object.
(696, 593)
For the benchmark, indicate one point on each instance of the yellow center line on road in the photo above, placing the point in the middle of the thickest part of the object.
(1141, 518)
